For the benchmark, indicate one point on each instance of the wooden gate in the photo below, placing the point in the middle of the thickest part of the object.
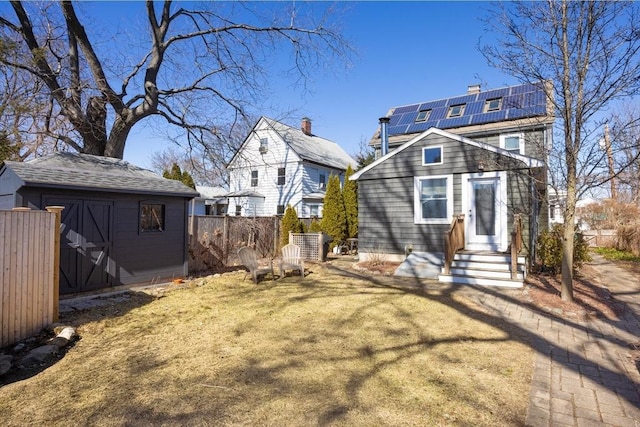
(28, 279)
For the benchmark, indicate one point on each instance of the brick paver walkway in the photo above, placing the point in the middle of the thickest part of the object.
(584, 372)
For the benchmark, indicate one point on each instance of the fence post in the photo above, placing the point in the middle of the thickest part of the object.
(320, 247)
(57, 210)
(225, 239)
(276, 234)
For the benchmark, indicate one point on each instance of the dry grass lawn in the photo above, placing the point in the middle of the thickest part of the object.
(326, 350)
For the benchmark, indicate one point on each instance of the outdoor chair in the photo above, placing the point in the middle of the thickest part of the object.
(291, 259)
(249, 259)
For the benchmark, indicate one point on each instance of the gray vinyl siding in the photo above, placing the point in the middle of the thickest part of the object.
(386, 194)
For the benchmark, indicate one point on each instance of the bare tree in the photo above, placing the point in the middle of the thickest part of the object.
(199, 67)
(625, 142)
(590, 52)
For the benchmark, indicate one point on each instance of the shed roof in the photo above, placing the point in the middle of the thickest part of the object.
(88, 172)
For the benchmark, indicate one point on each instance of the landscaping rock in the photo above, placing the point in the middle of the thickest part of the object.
(5, 363)
(39, 355)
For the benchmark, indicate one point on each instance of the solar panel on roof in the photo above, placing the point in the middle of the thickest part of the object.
(407, 118)
(396, 130)
(474, 108)
(406, 109)
(454, 122)
(462, 99)
(433, 104)
(496, 93)
(438, 113)
(418, 127)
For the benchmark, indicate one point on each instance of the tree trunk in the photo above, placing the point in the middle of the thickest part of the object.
(568, 237)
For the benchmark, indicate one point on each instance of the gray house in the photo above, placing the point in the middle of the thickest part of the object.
(121, 224)
(476, 160)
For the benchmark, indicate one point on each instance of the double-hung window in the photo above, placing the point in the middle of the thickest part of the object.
(433, 199)
(282, 173)
(322, 181)
(513, 142)
(254, 178)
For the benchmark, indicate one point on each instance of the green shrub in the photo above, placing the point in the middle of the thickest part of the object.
(350, 196)
(549, 249)
(315, 227)
(334, 221)
(290, 223)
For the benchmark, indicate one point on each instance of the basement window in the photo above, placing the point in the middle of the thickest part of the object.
(151, 217)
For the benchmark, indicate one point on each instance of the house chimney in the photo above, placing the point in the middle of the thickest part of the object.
(306, 126)
(473, 89)
(384, 136)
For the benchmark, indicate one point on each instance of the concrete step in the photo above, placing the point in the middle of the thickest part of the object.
(486, 273)
(487, 257)
(480, 281)
(495, 266)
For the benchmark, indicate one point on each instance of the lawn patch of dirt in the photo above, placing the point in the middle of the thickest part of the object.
(385, 268)
(590, 298)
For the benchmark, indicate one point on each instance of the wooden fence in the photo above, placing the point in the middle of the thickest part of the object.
(29, 252)
(215, 240)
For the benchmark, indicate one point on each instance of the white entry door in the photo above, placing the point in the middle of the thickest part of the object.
(485, 208)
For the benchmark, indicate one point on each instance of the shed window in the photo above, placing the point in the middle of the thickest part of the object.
(456, 110)
(433, 199)
(151, 217)
(494, 104)
(432, 156)
(281, 176)
(423, 115)
(254, 178)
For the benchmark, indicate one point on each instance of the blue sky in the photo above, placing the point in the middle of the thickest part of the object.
(408, 52)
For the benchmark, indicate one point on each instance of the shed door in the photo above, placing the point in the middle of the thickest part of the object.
(85, 244)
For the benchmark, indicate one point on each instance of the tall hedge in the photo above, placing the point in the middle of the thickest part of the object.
(333, 214)
(350, 196)
(290, 222)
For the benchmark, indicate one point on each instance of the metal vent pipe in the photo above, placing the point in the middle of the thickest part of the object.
(384, 136)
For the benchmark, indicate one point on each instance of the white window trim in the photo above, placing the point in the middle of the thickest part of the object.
(417, 206)
(508, 135)
(441, 155)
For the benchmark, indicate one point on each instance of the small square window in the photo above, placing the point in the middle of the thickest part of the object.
(431, 156)
(264, 145)
(151, 217)
(280, 210)
(254, 178)
(281, 176)
(423, 115)
(513, 143)
(314, 210)
(494, 104)
(238, 210)
(456, 110)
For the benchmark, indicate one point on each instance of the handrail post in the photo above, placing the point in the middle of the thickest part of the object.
(516, 244)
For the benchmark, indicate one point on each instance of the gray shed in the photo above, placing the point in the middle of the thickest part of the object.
(121, 224)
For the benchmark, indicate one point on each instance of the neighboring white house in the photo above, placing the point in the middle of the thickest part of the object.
(279, 165)
(212, 201)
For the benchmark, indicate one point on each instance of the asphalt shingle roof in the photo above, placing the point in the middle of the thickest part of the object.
(312, 148)
(86, 172)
